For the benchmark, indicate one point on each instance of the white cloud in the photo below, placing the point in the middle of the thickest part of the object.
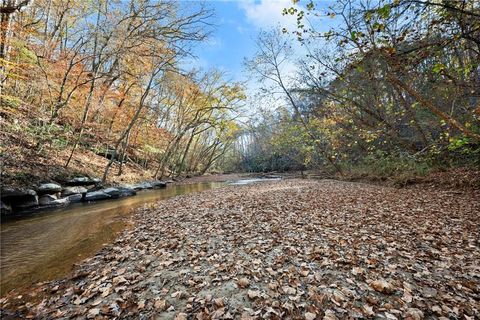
(241, 30)
(214, 42)
(265, 14)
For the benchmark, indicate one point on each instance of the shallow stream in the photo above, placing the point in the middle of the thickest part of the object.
(46, 245)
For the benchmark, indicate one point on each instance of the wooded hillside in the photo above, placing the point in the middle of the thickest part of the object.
(87, 78)
(389, 87)
(357, 88)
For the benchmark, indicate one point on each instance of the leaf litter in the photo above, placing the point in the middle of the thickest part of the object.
(294, 249)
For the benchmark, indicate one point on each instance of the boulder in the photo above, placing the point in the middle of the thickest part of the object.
(5, 208)
(19, 199)
(55, 203)
(142, 185)
(119, 192)
(97, 195)
(10, 193)
(112, 192)
(158, 184)
(33, 202)
(46, 199)
(49, 188)
(73, 198)
(73, 190)
(61, 202)
(82, 181)
(127, 192)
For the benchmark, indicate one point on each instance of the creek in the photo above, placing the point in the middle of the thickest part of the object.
(45, 246)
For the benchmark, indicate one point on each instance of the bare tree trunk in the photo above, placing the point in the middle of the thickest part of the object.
(8, 10)
(132, 121)
(123, 155)
(95, 67)
(430, 106)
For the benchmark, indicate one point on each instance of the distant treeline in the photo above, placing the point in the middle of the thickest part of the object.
(393, 86)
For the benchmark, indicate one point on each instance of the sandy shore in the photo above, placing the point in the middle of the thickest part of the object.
(294, 249)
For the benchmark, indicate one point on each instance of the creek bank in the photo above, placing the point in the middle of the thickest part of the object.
(292, 249)
(52, 194)
(22, 201)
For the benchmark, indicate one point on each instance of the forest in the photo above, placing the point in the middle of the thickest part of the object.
(244, 159)
(107, 78)
(391, 89)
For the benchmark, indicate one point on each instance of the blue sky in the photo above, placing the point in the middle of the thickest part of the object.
(238, 23)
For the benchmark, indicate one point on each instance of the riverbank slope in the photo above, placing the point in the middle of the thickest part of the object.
(286, 249)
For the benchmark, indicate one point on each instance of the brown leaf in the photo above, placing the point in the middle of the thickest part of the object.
(181, 316)
(243, 283)
(160, 305)
(382, 286)
(252, 294)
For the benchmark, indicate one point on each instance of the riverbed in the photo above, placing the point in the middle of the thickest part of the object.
(45, 246)
(292, 249)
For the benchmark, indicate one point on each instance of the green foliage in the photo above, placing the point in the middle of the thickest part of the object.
(10, 101)
(394, 93)
(385, 11)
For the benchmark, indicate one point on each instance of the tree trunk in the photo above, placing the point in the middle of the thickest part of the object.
(432, 108)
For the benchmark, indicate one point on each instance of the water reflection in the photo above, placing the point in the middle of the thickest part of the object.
(45, 246)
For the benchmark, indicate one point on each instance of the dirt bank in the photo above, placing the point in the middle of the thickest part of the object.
(297, 249)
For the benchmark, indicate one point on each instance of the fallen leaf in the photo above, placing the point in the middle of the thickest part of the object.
(160, 305)
(382, 286)
(243, 282)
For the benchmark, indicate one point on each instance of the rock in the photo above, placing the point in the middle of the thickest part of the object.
(148, 185)
(158, 184)
(5, 208)
(49, 188)
(112, 192)
(73, 190)
(12, 193)
(119, 192)
(55, 203)
(46, 199)
(75, 198)
(82, 181)
(25, 205)
(143, 185)
(127, 192)
(19, 199)
(272, 176)
(97, 195)
(61, 202)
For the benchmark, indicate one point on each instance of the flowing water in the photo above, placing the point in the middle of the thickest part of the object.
(45, 246)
